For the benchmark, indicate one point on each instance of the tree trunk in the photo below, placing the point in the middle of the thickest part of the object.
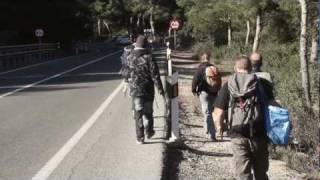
(138, 20)
(107, 26)
(143, 21)
(314, 41)
(152, 23)
(303, 53)
(130, 28)
(258, 31)
(314, 49)
(248, 33)
(139, 23)
(229, 32)
(99, 27)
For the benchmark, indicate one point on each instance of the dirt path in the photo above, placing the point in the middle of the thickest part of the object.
(198, 158)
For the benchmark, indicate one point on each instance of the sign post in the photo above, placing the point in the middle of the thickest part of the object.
(39, 33)
(174, 24)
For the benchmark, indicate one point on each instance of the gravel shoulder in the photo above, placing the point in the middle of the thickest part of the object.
(196, 157)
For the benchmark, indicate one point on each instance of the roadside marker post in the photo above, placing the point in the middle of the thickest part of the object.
(173, 88)
(175, 133)
(169, 59)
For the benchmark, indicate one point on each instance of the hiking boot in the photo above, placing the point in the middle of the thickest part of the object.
(149, 135)
(212, 138)
(140, 141)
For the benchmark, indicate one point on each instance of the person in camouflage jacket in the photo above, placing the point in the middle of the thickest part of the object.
(144, 74)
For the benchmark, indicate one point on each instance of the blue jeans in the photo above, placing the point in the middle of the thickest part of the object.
(143, 107)
(207, 101)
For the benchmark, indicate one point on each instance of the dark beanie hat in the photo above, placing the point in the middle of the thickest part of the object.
(141, 41)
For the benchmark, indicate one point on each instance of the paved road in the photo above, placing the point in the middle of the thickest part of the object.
(66, 120)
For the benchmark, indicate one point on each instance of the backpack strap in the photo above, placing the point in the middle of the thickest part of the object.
(231, 107)
(251, 118)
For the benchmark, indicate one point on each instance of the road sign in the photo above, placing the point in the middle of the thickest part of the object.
(39, 32)
(174, 24)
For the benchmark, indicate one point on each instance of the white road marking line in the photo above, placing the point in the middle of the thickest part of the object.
(54, 162)
(55, 76)
(93, 74)
(11, 87)
(22, 77)
(70, 75)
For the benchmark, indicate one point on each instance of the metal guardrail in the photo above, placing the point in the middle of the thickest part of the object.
(20, 55)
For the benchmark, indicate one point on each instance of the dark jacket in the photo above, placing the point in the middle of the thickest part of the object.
(198, 82)
(144, 73)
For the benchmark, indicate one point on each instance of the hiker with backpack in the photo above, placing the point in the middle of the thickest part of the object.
(256, 61)
(264, 77)
(242, 97)
(206, 84)
(143, 74)
(277, 120)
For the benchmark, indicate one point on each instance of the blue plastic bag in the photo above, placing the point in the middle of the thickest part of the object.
(278, 125)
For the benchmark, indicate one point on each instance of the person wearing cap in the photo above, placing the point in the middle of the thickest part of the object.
(144, 74)
(206, 84)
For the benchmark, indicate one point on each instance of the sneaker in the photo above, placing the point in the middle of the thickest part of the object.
(140, 141)
(149, 135)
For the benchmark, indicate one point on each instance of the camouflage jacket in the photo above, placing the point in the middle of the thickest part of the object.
(144, 74)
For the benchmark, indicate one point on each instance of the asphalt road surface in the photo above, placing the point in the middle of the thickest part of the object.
(67, 119)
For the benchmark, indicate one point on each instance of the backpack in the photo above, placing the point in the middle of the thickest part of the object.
(277, 120)
(212, 77)
(264, 76)
(125, 71)
(245, 116)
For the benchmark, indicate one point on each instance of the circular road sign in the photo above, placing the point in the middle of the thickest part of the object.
(174, 24)
(39, 32)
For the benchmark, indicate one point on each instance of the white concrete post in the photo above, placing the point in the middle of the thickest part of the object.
(175, 134)
(169, 60)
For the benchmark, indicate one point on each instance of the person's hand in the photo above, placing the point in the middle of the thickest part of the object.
(218, 125)
(195, 93)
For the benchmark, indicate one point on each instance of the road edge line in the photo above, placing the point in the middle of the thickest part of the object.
(54, 162)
